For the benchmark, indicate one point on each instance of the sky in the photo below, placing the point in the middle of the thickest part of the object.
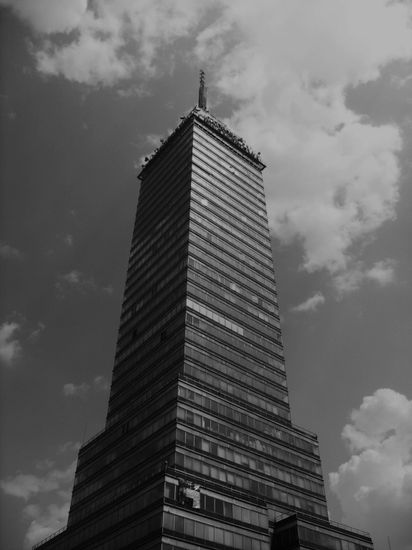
(323, 89)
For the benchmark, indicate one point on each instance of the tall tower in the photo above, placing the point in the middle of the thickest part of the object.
(199, 451)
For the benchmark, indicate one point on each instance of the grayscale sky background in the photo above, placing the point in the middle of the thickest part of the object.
(323, 88)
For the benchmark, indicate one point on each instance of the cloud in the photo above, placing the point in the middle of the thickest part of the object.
(8, 252)
(10, 347)
(375, 485)
(26, 486)
(49, 16)
(46, 495)
(73, 390)
(68, 447)
(68, 240)
(99, 383)
(311, 304)
(333, 176)
(107, 41)
(44, 521)
(381, 273)
(35, 334)
(76, 280)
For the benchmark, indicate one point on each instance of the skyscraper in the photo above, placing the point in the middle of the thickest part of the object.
(199, 451)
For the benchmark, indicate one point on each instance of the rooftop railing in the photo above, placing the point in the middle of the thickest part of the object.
(49, 537)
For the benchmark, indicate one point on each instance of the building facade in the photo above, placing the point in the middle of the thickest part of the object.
(199, 451)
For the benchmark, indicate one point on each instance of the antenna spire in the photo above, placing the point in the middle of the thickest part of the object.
(202, 92)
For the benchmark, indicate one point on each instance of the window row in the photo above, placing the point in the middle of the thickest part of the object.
(122, 538)
(225, 242)
(323, 540)
(238, 278)
(233, 454)
(171, 232)
(220, 183)
(242, 395)
(250, 483)
(224, 508)
(249, 329)
(251, 441)
(221, 296)
(140, 294)
(129, 444)
(209, 344)
(143, 454)
(136, 416)
(154, 273)
(205, 208)
(247, 421)
(258, 401)
(207, 243)
(248, 373)
(174, 167)
(117, 513)
(234, 160)
(155, 309)
(234, 163)
(234, 182)
(182, 147)
(149, 377)
(270, 306)
(167, 197)
(228, 201)
(118, 486)
(163, 227)
(151, 351)
(233, 340)
(133, 483)
(129, 348)
(214, 316)
(231, 238)
(172, 278)
(219, 206)
(206, 532)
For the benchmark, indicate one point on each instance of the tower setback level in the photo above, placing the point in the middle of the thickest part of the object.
(199, 451)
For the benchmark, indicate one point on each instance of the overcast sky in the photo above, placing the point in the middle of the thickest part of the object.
(323, 89)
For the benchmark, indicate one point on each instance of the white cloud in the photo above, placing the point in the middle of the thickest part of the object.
(46, 495)
(375, 485)
(68, 447)
(76, 280)
(10, 347)
(44, 521)
(311, 304)
(333, 177)
(98, 384)
(54, 485)
(26, 485)
(73, 390)
(114, 39)
(382, 273)
(8, 252)
(68, 240)
(49, 16)
(35, 334)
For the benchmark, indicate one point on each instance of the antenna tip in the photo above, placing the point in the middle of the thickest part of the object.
(202, 91)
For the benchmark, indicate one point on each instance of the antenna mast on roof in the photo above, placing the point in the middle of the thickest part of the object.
(202, 92)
